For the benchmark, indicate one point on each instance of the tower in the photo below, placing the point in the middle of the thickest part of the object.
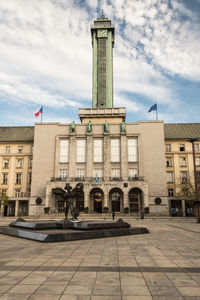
(102, 33)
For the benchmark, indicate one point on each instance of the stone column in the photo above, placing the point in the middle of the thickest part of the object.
(124, 163)
(183, 207)
(89, 156)
(106, 199)
(106, 152)
(16, 208)
(126, 200)
(72, 155)
(87, 199)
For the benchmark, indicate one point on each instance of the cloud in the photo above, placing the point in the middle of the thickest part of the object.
(46, 52)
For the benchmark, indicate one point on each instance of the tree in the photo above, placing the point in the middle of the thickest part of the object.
(4, 200)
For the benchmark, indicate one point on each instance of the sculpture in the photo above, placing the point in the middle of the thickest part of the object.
(68, 198)
(106, 127)
(89, 126)
(123, 126)
(72, 127)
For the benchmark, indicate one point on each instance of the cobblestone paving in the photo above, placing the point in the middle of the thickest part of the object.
(164, 264)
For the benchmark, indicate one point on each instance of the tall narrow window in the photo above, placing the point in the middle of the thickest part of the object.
(132, 173)
(183, 176)
(115, 173)
(80, 151)
(132, 150)
(80, 173)
(6, 163)
(29, 177)
(169, 176)
(182, 147)
(5, 178)
(98, 150)
(196, 147)
(98, 173)
(20, 149)
(197, 161)
(7, 149)
(64, 151)
(19, 163)
(18, 178)
(183, 161)
(63, 173)
(168, 147)
(115, 151)
(168, 161)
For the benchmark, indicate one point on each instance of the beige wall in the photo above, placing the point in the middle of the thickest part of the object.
(151, 159)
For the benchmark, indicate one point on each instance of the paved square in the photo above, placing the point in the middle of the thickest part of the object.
(164, 264)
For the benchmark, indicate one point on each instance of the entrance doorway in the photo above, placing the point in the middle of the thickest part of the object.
(23, 208)
(135, 200)
(176, 208)
(116, 199)
(96, 196)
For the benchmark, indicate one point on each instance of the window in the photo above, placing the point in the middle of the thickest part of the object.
(30, 163)
(133, 173)
(182, 147)
(29, 178)
(196, 147)
(183, 177)
(80, 173)
(32, 148)
(7, 149)
(80, 157)
(3, 192)
(115, 173)
(197, 161)
(115, 153)
(98, 150)
(20, 149)
(6, 163)
(5, 178)
(17, 193)
(64, 151)
(185, 192)
(19, 163)
(168, 147)
(183, 161)
(132, 150)
(18, 178)
(63, 173)
(170, 192)
(169, 161)
(169, 177)
(29, 192)
(98, 173)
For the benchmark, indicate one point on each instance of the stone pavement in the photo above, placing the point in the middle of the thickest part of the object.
(164, 264)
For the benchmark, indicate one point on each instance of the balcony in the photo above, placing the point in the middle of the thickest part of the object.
(94, 179)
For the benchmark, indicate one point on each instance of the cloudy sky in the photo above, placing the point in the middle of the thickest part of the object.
(46, 58)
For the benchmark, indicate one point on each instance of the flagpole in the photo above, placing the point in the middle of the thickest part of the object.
(157, 114)
(41, 115)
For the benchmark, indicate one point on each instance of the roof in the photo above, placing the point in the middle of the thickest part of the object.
(180, 131)
(17, 134)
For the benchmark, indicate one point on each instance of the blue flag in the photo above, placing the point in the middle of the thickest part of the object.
(97, 178)
(154, 107)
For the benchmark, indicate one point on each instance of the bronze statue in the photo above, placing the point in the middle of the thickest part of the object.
(89, 126)
(68, 198)
(123, 126)
(106, 127)
(72, 127)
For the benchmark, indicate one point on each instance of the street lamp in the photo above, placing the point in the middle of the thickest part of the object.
(195, 180)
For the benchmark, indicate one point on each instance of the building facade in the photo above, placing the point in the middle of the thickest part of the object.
(120, 164)
(16, 154)
(180, 166)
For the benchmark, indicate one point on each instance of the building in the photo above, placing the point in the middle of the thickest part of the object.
(180, 166)
(16, 154)
(122, 165)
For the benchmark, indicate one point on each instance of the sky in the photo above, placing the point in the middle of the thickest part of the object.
(46, 59)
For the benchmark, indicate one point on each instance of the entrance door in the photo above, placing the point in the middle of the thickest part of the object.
(98, 205)
(135, 200)
(23, 208)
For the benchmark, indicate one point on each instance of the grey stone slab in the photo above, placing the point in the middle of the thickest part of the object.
(14, 296)
(110, 290)
(164, 291)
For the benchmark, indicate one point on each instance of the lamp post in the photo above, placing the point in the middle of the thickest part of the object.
(195, 181)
